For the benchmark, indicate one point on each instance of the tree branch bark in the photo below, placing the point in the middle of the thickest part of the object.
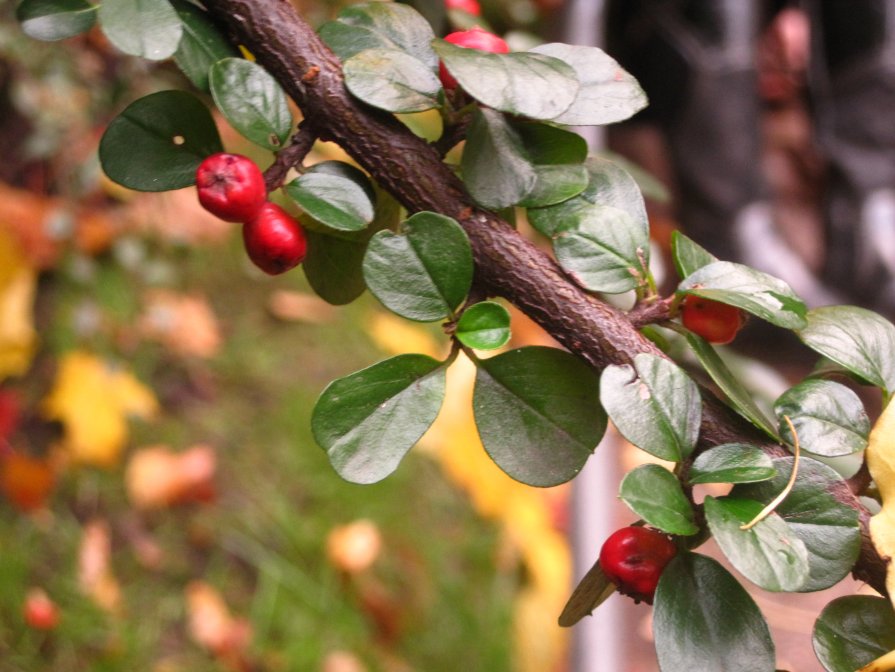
(507, 264)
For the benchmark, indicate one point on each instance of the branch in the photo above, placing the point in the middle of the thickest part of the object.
(507, 264)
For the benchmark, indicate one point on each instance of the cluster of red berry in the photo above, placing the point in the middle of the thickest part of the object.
(232, 187)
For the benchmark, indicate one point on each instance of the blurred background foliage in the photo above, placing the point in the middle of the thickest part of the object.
(164, 506)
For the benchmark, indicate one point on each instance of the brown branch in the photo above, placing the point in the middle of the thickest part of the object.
(507, 264)
(290, 156)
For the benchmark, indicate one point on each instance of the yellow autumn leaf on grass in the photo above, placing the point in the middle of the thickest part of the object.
(93, 399)
(880, 457)
(17, 285)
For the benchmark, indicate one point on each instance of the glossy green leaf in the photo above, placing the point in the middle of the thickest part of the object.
(853, 631)
(649, 184)
(494, 165)
(704, 621)
(252, 101)
(655, 494)
(51, 20)
(202, 44)
(392, 80)
(608, 93)
(829, 418)
(336, 194)
(484, 326)
(755, 292)
(158, 141)
(593, 589)
(769, 554)
(732, 463)
(828, 527)
(334, 267)
(654, 405)
(688, 255)
(147, 28)
(855, 338)
(730, 385)
(558, 158)
(380, 25)
(367, 421)
(537, 413)
(522, 83)
(425, 272)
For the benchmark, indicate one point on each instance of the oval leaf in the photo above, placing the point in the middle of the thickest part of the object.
(526, 84)
(537, 413)
(252, 101)
(158, 141)
(732, 463)
(336, 194)
(392, 80)
(423, 274)
(147, 28)
(334, 267)
(484, 326)
(828, 527)
(704, 621)
(51, 20)
(655, 494)
(769, 554)
(858, 339)
(654, 405)
(593, 589)
(853, 631)
(755, 292)
(688, 255)
(829, 418)
(558, 158)
(608, 93)
(367, 421)
(202, 44)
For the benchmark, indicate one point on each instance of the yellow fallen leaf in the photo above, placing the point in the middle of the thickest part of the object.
(18, 281)
(95, 576)
(184, 324)
(354, 547)
(880, 457)
(157, 477)
(213, 627)
(885, 663)
(93, 399)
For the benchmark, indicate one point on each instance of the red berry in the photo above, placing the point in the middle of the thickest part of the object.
(273, 239)
(633, 559)
(474, 38)
(40, 612)
(716, 322)
(469, 6)
(231, 186)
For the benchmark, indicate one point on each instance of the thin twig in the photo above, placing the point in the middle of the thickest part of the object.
(290, 156)
(774, 503)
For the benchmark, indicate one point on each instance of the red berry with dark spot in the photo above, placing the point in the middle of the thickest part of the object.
(716, 322)
(273, 239)
(633, 558)
(231, 186)
(474, 38)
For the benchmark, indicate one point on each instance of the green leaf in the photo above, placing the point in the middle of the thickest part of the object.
(853, 631)
(650, 186)
(202, 44)
(730, 385)
(334, 267)
(425, 272)
(558, 159)
(704, 621)
(392, 80)
(336, 194)
(522, 83)
(689, 256)
(606, 251)
(51, 20)
(732, 463)
(769, 554)
(484, 326)
(608, 93)
(381, 25)
(158, 142)
(367, 421)
(829, 418)
(608, 185)
(593, 589)
(537, 413)
(828, 527)
(755, 292)
(495, 166)
(252, 101)
(858, 339)
(655, 494)
(654, 405)
(147, 28)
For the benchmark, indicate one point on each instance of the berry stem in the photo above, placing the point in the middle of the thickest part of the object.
(774, 503)
(290, 156)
